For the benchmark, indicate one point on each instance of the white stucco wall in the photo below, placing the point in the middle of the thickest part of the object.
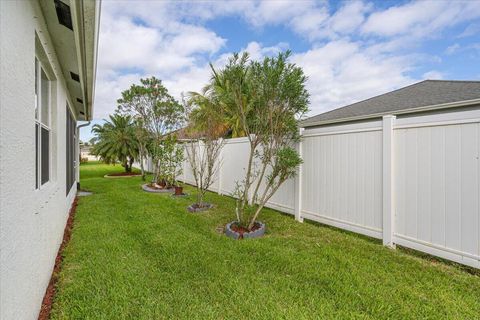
(31, 221)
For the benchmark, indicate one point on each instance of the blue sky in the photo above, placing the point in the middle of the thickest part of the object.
(350, 50)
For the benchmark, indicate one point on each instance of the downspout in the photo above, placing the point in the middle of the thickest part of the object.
(79, 154)
(84, 125)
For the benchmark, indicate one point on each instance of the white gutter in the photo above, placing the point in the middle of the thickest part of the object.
(78, 31)
(433, 107)
(78, 19)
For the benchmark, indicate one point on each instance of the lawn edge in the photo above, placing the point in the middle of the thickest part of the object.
(50, 292)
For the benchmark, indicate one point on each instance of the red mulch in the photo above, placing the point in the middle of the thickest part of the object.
(153, 186)
(123, 174)
(241, 230)
(50, 293)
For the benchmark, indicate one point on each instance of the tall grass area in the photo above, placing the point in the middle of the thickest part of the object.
(137, 255)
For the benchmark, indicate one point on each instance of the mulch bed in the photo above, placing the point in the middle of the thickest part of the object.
(123, 174)
(153, 186)
(235, 231)
(199, 208)
(237, 228)
(51, 289)
(149, 187)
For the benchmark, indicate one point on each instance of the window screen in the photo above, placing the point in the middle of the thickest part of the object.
(45, 155)
(42, 125)
(70, 156)
(37, 154)
(45, 99)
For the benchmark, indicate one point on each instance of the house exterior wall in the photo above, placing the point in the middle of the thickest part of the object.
(31, 221)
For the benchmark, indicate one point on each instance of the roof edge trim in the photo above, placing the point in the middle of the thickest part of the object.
(441, 106)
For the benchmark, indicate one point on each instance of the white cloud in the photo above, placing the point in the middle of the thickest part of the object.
(420, 18)
(108, 89)
(193, 39)
(356, 52)
(470, 30)
(342, 72)
(433, 75)
(452, 49)
(130, 49)
(275, 12)
(257, 51)
(349, 17)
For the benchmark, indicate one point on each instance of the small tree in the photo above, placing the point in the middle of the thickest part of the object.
(170, 160)
(267, 98)
(203, 149)
(158, 111)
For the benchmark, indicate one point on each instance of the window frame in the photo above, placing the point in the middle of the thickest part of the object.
(42, 123)
(71, 149)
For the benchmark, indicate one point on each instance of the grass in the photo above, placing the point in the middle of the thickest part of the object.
(136, 255)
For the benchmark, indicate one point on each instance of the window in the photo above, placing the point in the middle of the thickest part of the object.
(71, 146)
(42, 126)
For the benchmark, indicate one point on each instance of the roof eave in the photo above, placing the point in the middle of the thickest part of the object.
(448, 105)
(86, 40)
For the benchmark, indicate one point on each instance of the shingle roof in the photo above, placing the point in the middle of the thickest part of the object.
(421, 94)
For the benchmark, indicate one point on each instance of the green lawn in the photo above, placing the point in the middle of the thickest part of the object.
(136, 255)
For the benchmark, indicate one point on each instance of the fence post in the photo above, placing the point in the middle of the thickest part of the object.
(219, 172)
(184, 165)
(298, 182)
(388, 180)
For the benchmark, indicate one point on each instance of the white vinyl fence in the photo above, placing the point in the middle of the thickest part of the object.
(412, 181)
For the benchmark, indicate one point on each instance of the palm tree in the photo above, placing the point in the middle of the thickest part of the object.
(217, 103)
(208, 116)
(116, 141)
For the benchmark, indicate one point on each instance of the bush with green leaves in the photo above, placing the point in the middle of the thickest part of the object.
(170, 159)
(267, 98)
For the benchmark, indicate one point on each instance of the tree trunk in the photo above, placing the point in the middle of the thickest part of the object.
(264, 200)
(130, 164)
(142, 169)
(245, 198)
(199, 197)
(259, 182)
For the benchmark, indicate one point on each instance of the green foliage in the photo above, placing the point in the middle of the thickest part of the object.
(157, 113)
(150, 101)
(170, 158)
(116, 141)
(266, 98)
(207, 116)
(284, 166)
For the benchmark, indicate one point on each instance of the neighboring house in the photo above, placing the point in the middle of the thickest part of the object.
(47, 75)
(403, 167)
(85, 153)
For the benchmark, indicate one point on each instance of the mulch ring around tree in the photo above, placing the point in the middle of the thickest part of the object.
(122, 175)
(50, 292)
(235, 231)
(183, 195)
(199, 208)
(149, 187)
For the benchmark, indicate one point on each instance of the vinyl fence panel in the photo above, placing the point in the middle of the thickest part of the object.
(412, 181)
(342, 179)
(437, 189)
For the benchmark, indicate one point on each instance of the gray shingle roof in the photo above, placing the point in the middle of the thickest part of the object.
(421, 94)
